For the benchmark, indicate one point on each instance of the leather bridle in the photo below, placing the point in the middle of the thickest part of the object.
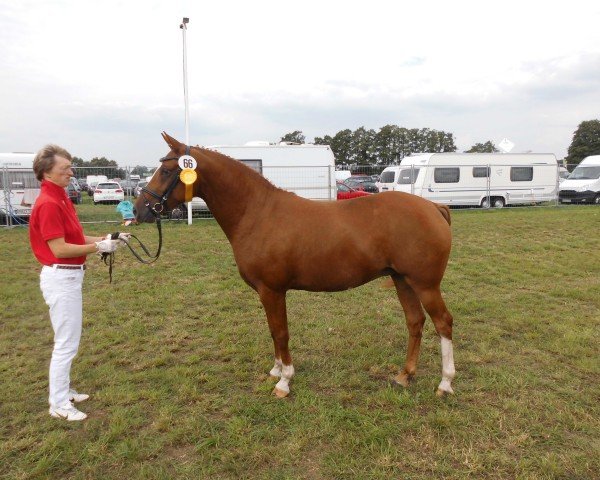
(159, 206)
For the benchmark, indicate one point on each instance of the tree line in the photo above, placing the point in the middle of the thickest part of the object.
(104, 166)
(391, 143)
(387, 146)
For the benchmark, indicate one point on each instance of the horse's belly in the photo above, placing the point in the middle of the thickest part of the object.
(335, 280)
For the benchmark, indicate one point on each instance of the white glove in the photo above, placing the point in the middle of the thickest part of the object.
(107, 246)
(122, 236)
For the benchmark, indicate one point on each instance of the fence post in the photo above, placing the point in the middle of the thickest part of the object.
(489, 185)
(557, 184)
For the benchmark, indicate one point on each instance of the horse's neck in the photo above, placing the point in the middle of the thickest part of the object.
(231, 191)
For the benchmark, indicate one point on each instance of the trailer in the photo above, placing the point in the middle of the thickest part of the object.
(306, 170)
(19, 186)
(476, 179)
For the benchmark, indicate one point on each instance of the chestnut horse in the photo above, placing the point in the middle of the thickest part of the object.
(281, 242)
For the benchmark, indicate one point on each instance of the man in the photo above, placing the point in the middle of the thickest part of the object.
(60, 245)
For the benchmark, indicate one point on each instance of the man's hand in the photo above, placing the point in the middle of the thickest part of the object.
(107, 246)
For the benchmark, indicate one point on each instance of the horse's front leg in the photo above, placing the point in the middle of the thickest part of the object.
(274, 303)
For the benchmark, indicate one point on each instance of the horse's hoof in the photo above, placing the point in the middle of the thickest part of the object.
(443, 393)
(280, 393)
(402, 379)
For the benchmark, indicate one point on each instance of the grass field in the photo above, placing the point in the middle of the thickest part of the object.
(176, 355)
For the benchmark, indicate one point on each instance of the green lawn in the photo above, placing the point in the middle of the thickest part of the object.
(176, 355)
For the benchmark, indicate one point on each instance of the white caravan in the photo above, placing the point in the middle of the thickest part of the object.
(476, 179)
(583, 184)
(306, 170)
(19, 186)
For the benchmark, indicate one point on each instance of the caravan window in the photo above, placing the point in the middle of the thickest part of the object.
(446, 175)
(408, 176)
(18, 179)
(521, 174)
(481, 172)
(387, 177)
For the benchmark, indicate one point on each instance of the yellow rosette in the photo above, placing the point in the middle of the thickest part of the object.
(188, 177)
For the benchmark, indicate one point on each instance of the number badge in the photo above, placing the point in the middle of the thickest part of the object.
(187, 162)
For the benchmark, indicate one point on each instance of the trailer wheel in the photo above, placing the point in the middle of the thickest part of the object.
(498, 202)
(485, 203)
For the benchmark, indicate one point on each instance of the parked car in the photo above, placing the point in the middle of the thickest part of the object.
(563, 174)
(128, 187)
(199, 208)
(361, 184)
(108, 192)
(82, 184)
(344, 192)
(361, 177)
(199, 205)
(74, 193)
(138, 188)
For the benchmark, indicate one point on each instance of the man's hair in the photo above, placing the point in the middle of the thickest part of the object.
(45, 158)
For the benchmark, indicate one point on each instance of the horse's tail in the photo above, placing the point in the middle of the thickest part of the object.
(445, 211)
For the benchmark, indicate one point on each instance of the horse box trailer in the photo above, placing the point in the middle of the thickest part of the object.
(476, 179)
(583, 184)
(19, 186)
(306, 170)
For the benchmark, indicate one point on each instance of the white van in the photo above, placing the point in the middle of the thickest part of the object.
(583, 184)
(476, 179)
(93, 180)
(19, 186)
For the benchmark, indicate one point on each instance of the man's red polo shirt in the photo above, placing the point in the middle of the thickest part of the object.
(54, 216)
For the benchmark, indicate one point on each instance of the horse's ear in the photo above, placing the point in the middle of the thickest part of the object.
(175, 145)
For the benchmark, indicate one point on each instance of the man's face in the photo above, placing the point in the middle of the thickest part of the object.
(61, 172)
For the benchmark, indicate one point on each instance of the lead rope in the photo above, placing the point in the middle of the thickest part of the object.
(109, 257)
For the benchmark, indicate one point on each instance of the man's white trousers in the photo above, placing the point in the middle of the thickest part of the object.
(62, 293)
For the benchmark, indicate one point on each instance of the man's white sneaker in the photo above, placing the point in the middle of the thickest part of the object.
(68, 412)
(77, 397)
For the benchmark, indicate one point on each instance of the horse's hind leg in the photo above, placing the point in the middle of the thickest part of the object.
(274, 303)
(442, 319)
(415, 318)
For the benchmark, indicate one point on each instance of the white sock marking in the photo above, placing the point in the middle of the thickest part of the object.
(287, 372)
(448, 370)
(276, 370)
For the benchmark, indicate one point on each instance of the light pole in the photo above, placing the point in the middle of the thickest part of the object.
(183, 27)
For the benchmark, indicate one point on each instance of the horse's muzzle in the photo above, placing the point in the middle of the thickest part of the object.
(144, 215)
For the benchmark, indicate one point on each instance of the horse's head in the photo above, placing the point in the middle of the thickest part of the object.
(164, 190)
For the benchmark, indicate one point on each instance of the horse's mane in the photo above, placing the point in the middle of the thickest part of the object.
(237, 166)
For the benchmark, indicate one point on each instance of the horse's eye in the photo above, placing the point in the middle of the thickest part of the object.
(165, 173)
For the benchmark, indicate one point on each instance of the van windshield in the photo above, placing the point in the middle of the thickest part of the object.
(408, 176)
(585, 173)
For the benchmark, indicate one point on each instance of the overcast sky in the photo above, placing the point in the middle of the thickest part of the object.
(104, 78)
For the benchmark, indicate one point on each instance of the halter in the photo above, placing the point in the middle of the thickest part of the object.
(159, 206)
